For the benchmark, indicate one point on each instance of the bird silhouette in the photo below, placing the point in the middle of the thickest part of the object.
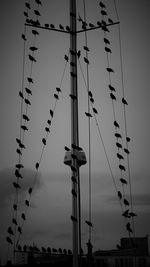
(91, 25)
(111, 88)
(16, 185)
(122, 168)
(32, 58)
(132, 214)
(25, 14)
(30, 190)
(118, 145)
(14, 221)
(95, 111)
(109, 69)
(14, 206)
(128, 227)
(102, 4)
(119, 156)
(86, 60)
(37, 165)
(19, 230)
(19, 248)
(67, 148)
(73, 169)
(61, 27)
(126, 151)
(128, 139)
(47, 129)
(38, 2)
(116, 124)
(119, 195)
(35, 32)
(10, 231)
(73, 179)
(74, 193)
(18, 141)
(118, 135)
(58, 89)
(19, 151)
(25, 117)
(37, 13)
(8, 239)
(103, 22)
(99, 24)
(106, 41)
(23, 37)
(22, 146)
(21, 94)
(27, 101)
(27, 202)
(126, 202)
(103, 12)
(44, 141)
(52, 26)
(110, 21)
(24, 128)
(33, 48)
(123, 181)
(19, 166)
(68, 28)
(51, 113)
(73, 218)
(124, 101)
(79, 54)
(86, 48)
(56, 96)
(89, 223)
(27, 5)
(92, 100)
(49, 250)
(88, 114)
(90, 94)
(104, 28)
(66, 58)
(73, 97)
(46, 25)
(126, 213)
(18, 174)
(118, 246)
(30, 80)
(108, 50)
(112, 96)
(23, 216)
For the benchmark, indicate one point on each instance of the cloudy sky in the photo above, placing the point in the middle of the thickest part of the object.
(48, 220)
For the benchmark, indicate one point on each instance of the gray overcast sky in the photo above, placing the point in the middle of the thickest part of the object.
(52, 195)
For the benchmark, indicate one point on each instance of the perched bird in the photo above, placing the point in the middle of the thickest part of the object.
(126, 202)
(22, 145)
(37, 13)
(91, 25)
(66, 58)
(16, 185)
(112, 96)
(128, 227)
(72, 64)
(27, 101)
(47, 129)
(119, 195)
(14, 221)
(18, 174)
(19, 247)
(90, 93)
(122, 168)
(103, 12)
(73, 218)
(119, 156)
(109, 69)
(24, 128)
(123, 181)
(19, 230)
(19, 166)
(43, 249)
(73, 179)
(118, 135)
(25, 117)
(86, 48)
(73, 74)
(23, 37)
(18, 141)
(10, 231)
(32, 58)
(79, 54)
(126, 213)
(68, 28)
(89, 223)
(118, 246)
(92, 100)
(52, 26)
(88, 114)
(103, 22)
(124, 101)
(37, 165)
(128, 139)
(21, 94)
(14, 206)
(27, 5)
(27, 202)
(30, 190)
(86, 60)
(99, 23)
(67, 148)
(44, 141)
(116, 124)
(33, 48)
(49, 122)
(23, 216)
(49, 250)
(132, 214)
(8, 239)
(102, 4)
(25, 14)
(30, 80)
(51, 113)
(108, 50)
(58, 89)
(95, 111)
(73, 97)
(106, 41)
(35, 32)
(118, 145)
(126, 151)
(56, 96)
(46, 25)
(38, 2)
(110, 21)
(104, 28)
(69, 252)
(111, 88)
(73, 168)
(74, 193)
(61, 27)
(18, 151)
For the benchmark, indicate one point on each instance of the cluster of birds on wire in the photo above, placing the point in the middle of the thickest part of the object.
(19, 166)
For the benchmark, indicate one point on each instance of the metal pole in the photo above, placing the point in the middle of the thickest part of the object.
(74, 125)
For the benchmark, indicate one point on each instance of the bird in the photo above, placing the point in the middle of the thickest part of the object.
(46, 25)
(69, 252)
(38, 2)
(27, 5)
(90, 93)
(67, 148)
(92, 100)
(106, 41)
(14, 206)
(132, 214)
(10, 231)
(122, 168)
(119, 195)
(43, 249)
(35, 32)
(19, 166)
(61, 27)
(91, 25)
(126, 213)
(109, 69)
(18, 141)
(108, 50)
(104, 28)
(27, 202)
(116, 124)
(51, 113)
(14, 221)
(66, 58)
(23, 216)
(19, 247)
(126, 202)
(22, 145)
(49, 122)
(23, 37)
(73, 218)
(103, 22)
(110, 21)
(68, 28)
(25, 117)
(73, 74)
(124, 101)
(27, 101)
(88, 114)
(73, 97)
(79, 54)
(103, 12)
(72, 64)
(128, 139)
(47, 129)
(33, 48)
(89, 223)
(74, 193)
(112, 96)
(118, 246)
(56, 96)
(95, 111)
(18, 151)
(19, 230)
(21, 94)
(16, 185)
(30, 190)
(73, 179)
(86, 48)
(74, 156)
(37, 13)
(8, 239)
(102, 4)
(37, 165)
(44, 141)
(24, 128)
(118, 145)
(111, 88)
(86, 60)
(18, 174)
(25, 14)
(118, 135)
(119, 156)
(123, 181)
(128, 227)
(32, 58)
(30, 80)
(126, 151)
(99, 23)
(76, 147)
(52, 26)
(73, 168)
(58, 89)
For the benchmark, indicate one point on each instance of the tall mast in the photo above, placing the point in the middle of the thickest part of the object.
(74, 125)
